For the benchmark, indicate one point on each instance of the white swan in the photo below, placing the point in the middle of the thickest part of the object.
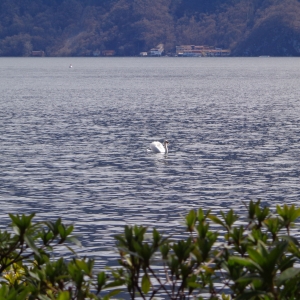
(157, 147)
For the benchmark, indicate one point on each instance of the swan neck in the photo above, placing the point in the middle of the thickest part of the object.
(166, 147)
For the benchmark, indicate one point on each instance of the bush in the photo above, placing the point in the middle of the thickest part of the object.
(257, 260)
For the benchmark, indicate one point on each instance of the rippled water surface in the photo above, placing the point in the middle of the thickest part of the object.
(73, 140)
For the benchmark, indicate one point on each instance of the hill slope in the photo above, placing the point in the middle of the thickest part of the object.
(81, 27)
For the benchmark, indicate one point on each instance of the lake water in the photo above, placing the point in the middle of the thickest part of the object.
(73, 141)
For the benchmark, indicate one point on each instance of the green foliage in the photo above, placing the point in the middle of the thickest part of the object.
(251, 258)
(28, 270)
(256, 260)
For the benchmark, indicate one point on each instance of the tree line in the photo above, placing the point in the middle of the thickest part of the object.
(81, 27)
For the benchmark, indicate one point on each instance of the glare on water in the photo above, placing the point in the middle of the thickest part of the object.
(74, 140)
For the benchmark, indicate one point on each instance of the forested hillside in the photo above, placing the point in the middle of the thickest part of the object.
(83, 27)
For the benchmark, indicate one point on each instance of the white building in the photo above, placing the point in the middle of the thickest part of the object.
(157, 51)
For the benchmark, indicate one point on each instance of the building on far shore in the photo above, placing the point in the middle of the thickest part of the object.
(157, 51)
(192, 50)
